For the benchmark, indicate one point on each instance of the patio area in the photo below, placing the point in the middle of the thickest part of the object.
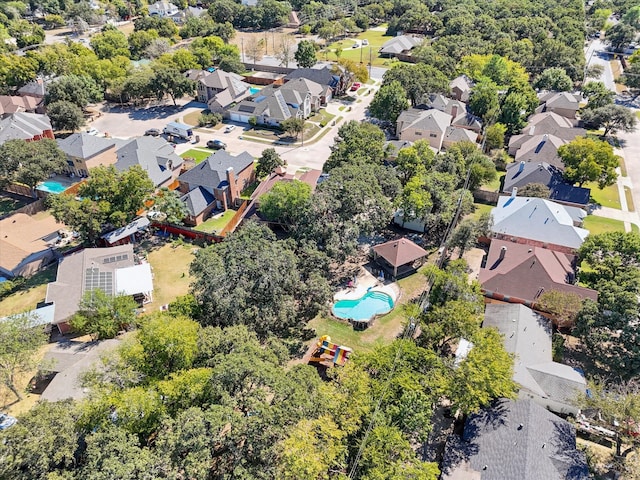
(366, 281)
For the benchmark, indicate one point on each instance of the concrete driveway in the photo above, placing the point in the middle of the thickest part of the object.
(596, 54)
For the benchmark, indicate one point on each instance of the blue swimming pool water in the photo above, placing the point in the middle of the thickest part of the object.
(253, 90)
(52, 186)
(364, 308)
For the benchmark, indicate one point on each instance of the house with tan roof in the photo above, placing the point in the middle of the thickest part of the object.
(547, 123)
(10, 104)
(430, 125)
(564, 104)
(519, 273)
(219, 89)
(399, 257)
(461, 88)
(26, 243)
(527, 336)
(539, 222)
(541, 149)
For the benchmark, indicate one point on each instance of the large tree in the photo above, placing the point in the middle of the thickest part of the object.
(286, 203)
(168, 204)
(305, 55)
(110, 43)
(20, 339)
(612, 118)
(109, 198)
(357, 142)
(294, 126)
(268, 162)
(103, 315)
(389, 102)
(30, 162)
(253, 279)
(77, 89)
(65, 116)
(554, 79)
(597, 94)
(418, 80)
(588, 160)
(169, 81)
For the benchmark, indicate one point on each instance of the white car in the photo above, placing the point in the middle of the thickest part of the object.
(6, 421)
(229, 128)
(365, 42)
(93, 131)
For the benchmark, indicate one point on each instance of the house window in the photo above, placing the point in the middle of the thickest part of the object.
(419, 134)
(433, 135)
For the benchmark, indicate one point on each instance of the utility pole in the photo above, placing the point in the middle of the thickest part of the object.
(242, 43)
(369, 61)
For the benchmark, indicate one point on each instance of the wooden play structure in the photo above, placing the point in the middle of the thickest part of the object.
(328, 353)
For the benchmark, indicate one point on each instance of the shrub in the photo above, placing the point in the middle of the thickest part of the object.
(208, 119)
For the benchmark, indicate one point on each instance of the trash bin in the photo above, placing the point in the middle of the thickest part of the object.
(197, 138)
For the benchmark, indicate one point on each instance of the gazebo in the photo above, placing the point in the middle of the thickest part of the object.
(399, 257)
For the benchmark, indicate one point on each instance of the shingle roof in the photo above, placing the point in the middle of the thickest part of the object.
(538, 219)
(23, 126)
(525, 272)
(212, 173)
(564, 100)
(462, 82)
(154, 155)
(221, 80)
(520, 174)
(515, 440)
(197, 200)
(527, 335)
(400, 252)
(15, 103)
(321, 76)
(541, 148)
(400, 44)
(304, 85)
(135, 226)
(85, 146)
(36, 87)
(431, 120)
(455, 134)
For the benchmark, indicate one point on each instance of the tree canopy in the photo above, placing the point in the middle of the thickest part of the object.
(588, 160)
(30, 162)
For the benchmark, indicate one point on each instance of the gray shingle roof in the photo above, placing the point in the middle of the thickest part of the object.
(400, 44)
(321, 76)
(197, 200)
(153, 154)
(212, 173)
(23, 126)
(85, 146)
(431, 120)
(515, 440)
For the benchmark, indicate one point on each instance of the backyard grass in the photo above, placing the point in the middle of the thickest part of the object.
(216, 224)
(8, 204)
(247, 192)
(197, 155)
(33, 292)
(480, 208)
(597, 225)
(376, 39)
(383, 330)
(629, 196)
(607, 197)
(171, 279)
(322, 117)
(494, 186)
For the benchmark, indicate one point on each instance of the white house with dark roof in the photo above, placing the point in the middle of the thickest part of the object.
(514, 440)
(154, 155)
(538, 221)
(215, 183)
(527, 335)
(163, 9)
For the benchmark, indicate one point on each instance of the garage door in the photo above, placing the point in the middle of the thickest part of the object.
(236, 117)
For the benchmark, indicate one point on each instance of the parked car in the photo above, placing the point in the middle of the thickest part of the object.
(153, 132)
(6, 421)
(229, 128)
(355, 86)
(93, 131)
(216, 144)
(365, 42)
(355, 45)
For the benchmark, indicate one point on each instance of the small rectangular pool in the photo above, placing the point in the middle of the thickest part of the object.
(254, 90)
(52, 186)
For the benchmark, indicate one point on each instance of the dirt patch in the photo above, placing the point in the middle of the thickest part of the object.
(270, 41)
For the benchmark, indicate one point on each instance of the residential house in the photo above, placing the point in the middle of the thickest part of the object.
(10, 104)
(320, 95)
(520, 174)
(430, 125)
(538, 222)
(527, 336)
(26, 244)
(337, 79)
(461, 88)
(271, 106)
(113, 270)
(35, 88)
(215, 183)
(25, 126)
(392, 147)
(547, 123)
(163, 9)
(454, 135)
(541, 149)
(520, 273)
(86, 151)
(514, 440)
(219, 89)
(564, 104)
(400, 47)
(399, 257)
(310, 177)
(154, 154)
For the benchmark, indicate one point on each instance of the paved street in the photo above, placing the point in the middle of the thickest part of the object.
(596, 54)
(127, 123)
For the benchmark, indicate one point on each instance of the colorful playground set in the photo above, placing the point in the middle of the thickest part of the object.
(326, 352)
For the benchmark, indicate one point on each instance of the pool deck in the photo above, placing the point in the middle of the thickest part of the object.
(365, 281)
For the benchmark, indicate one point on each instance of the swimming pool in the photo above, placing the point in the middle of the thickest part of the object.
(364, 308)
(253, 90)
(51, 186)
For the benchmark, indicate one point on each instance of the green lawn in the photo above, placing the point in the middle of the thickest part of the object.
(383, 330)
(597, 225)
(322, 117)
(33, 291)
(480, 208)
(171, 277)
(8, 204)
(376, 39)
(628, 195)
(247, 192)
(215, 225)
(197, 155)
(607, 197)
(494, 186)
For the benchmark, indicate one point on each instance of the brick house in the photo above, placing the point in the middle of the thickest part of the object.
(215, 184)
(86, 151)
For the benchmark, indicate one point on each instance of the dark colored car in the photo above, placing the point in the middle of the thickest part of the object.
(216, 144)
(154, 132)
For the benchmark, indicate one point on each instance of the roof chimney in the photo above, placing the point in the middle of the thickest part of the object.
(514, 191)
(503, 252)
(454, 111)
